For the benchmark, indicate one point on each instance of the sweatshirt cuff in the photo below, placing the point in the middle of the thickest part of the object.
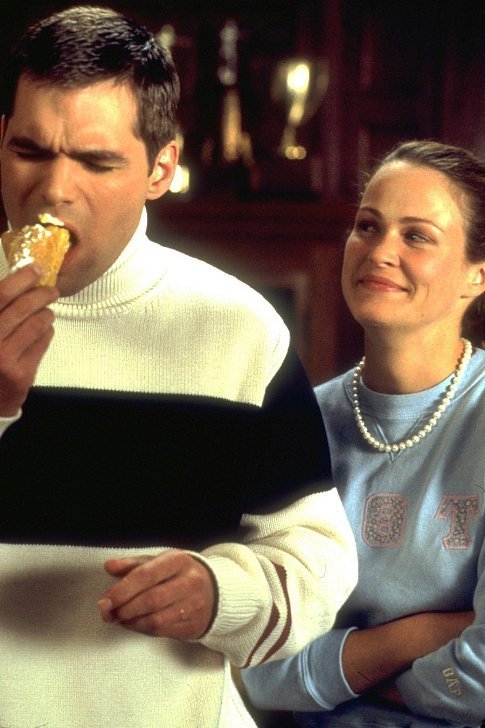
(323, 672)
(409, 689)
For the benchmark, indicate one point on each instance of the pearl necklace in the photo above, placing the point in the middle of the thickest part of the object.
(433, 420)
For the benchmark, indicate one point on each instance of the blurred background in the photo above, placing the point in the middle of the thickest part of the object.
(285, 106)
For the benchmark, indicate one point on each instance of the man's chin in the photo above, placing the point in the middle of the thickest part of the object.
(69, 286)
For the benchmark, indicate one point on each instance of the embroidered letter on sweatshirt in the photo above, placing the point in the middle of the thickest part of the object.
(458, 509)
(384, 520)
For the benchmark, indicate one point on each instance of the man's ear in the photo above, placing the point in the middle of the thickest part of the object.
(163, 171)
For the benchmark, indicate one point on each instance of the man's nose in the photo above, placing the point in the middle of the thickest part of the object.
(58, 181)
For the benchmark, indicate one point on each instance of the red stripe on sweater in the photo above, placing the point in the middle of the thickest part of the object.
(274, 619)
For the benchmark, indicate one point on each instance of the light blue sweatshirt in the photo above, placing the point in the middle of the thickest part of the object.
(418, 519)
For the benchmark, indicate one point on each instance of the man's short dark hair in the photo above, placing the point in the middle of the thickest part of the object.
(84, 45)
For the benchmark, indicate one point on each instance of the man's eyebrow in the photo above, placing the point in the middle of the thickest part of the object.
(98, 155)
(24, 142)
(83, 155)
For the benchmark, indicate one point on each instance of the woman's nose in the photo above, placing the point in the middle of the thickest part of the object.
(58, 182)
(385, 248)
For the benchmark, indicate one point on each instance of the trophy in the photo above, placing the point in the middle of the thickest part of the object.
(301, 85)
(297, 87)
(226, 150)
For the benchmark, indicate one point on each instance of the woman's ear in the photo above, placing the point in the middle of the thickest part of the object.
(163, 171)
(476, 280)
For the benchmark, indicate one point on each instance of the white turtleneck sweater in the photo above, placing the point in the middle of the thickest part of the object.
(187, 337)
(191, 330)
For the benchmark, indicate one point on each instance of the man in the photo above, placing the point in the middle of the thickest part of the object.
(161, 404)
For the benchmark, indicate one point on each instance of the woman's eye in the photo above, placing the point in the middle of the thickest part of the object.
(366, 226)
(415, 236)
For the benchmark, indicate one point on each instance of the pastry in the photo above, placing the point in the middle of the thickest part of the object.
(46, 242)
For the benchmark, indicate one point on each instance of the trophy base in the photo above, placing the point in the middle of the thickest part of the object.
(281, 177)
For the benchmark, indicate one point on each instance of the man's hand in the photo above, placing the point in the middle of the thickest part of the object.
(26, 330)
(170, 595)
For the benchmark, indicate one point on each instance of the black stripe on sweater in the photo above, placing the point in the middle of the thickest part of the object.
(125, 469)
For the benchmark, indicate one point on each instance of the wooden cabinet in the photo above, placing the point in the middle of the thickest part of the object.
(409, 70)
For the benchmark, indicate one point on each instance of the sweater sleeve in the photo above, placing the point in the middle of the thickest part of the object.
(449, 683)
(283, 586)
(295, 563)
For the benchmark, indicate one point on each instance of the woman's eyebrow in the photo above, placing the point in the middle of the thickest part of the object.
(368, 208)
(406, 219)
(411, 218)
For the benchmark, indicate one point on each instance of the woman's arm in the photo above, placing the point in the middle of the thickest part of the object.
(373, 656)
(448, 683)
(337, 666)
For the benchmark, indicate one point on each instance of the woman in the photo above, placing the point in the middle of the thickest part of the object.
(406, 430)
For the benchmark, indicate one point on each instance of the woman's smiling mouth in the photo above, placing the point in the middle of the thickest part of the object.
(379, 283)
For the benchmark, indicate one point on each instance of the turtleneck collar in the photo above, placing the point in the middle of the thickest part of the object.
(131, 276)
